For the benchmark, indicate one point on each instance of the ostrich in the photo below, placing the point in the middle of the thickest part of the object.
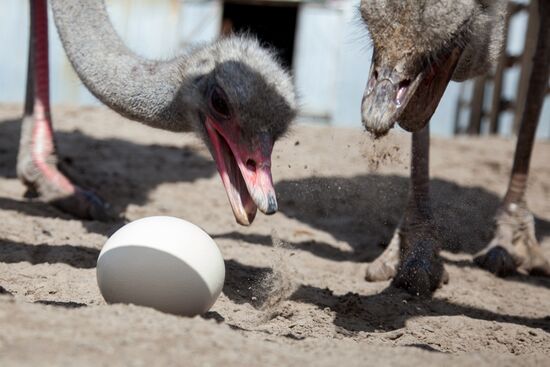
(418, 47)
(232, 93)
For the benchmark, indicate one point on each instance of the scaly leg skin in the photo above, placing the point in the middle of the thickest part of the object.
(514, 246)
(412, 258)
(37, 161)
(421, 269)
(384, 267)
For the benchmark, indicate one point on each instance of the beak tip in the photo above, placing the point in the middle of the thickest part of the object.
(377, 128)
(271, 205)
(377, 119)
(378, 133)
(246, 222)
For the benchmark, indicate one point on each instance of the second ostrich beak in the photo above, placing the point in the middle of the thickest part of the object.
(244, 165)
(396, 93)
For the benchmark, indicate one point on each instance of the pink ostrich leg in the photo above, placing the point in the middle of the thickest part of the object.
(514, 246)
(37, 160)
(42, 143)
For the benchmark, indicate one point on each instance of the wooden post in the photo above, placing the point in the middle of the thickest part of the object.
(459, 106)
(476, 106)
(496, 104)
(527, 62)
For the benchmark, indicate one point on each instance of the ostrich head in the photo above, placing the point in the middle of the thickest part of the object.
(244, 101)
(419, 46)
(232, 93)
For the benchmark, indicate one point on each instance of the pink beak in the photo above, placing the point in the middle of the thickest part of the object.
(245, 169)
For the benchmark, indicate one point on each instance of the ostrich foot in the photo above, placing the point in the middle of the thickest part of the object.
(385, 265)
(421, 271)
(514, 247)
(45, 180)
(412, 260)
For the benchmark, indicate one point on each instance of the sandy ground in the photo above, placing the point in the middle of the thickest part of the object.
(294, 291)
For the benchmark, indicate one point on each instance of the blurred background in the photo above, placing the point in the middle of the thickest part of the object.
(323, 43)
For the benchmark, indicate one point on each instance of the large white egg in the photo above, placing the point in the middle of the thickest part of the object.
(161, 262)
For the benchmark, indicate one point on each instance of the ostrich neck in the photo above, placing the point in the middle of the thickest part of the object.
(144, 90)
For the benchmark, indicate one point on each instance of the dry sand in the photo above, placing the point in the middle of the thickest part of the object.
(294, 292)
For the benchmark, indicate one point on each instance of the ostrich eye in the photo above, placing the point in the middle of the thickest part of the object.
(219, 103)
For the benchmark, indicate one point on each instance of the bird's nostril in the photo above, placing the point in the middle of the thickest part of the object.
(251, 165)
(404, 83)
(402, 91)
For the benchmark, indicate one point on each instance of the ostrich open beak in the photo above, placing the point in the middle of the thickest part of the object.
(393, 96)
(245, 168)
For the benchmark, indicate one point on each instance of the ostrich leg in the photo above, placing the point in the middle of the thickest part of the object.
(37, 160)
(412, 257)
(514, 245)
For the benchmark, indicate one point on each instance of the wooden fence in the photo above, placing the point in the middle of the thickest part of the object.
(499, 104)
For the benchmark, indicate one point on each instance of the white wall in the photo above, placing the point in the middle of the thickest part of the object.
(14, 23)
(151, 28)
(331, 63)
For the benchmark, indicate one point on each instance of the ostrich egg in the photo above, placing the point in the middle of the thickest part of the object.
(161, 262)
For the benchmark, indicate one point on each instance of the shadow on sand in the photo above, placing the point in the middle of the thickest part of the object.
(364, 210)
(382, 312)
(111, 167)
(75, 256)
(390, 309)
